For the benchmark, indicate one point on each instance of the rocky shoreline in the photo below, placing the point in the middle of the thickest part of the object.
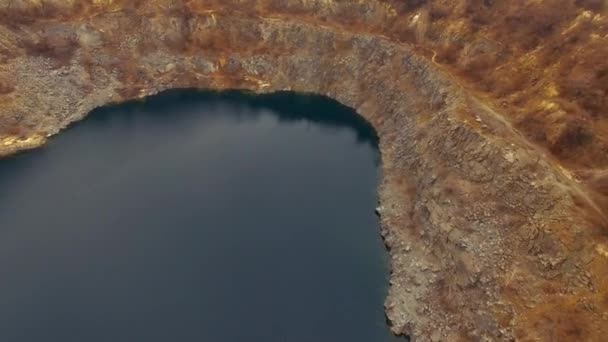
(489, 237)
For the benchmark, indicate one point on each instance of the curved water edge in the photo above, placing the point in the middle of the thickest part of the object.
(349, 257)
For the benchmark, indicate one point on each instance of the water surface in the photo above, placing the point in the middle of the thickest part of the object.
(196, 217)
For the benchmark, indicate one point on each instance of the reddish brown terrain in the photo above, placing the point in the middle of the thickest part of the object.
(492, 115)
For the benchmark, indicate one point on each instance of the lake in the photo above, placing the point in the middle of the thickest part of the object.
(196, 216)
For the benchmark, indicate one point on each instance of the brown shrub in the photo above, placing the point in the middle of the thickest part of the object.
(561, 321)
(584, 80)
(576, 135)
(446, 294)
(594, 5)
(477, 57)
(448, 54)
(21, 12)
(600, 184)
(510, 81)
(401, 29)
(59, 48)
(6, 88)
(438, 11)
(528, 24)
(534, 128)
(406, 6)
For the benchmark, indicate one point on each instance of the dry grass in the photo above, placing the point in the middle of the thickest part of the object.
(513, 50)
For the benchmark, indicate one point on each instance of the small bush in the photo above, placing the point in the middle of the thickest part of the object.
(22, 12)
(594, 5)
(6, 88)
(60, 49)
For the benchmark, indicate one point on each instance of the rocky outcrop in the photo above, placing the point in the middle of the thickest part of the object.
(491, 233)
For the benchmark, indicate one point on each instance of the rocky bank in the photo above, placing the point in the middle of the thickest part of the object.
(493, 197)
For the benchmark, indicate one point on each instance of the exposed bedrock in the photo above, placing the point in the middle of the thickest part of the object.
(490, 238)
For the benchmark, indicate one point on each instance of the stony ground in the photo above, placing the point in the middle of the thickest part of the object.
(494, 150)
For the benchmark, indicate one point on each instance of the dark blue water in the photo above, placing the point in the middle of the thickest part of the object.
(196, 217)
